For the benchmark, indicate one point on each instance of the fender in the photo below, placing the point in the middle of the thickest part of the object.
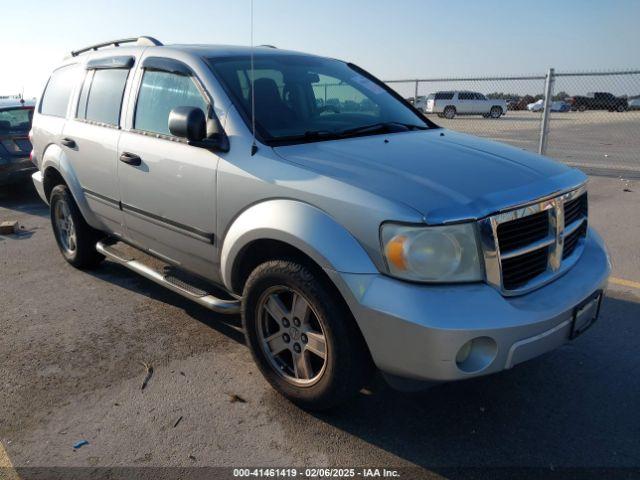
(56, 158)
(300, 225)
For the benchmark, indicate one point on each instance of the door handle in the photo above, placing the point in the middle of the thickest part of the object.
(68, 142)
(130, 159)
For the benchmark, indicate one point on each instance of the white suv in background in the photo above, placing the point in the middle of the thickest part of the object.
(450, 104)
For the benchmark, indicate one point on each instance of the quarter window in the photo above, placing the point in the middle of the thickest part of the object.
(161, 92)
(101, 96)
(58, 90)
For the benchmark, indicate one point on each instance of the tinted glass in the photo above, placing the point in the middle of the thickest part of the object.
(466, 96)
(444, 95)
(297, 96)
(104, 99)
(56, 95)
(160, 92)
(15, 120)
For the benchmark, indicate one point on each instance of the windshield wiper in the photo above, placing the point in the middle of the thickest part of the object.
(389, 127)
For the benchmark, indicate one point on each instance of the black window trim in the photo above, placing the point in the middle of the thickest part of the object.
(46, 87)
(175, 67)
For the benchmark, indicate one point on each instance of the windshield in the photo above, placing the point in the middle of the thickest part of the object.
(15, 120)
(303, 98)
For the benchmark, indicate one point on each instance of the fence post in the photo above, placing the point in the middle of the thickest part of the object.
(415, 98)
(544, 125)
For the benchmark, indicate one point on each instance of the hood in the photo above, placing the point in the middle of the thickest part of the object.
(445, 175)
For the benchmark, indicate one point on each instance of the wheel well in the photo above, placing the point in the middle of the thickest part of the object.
(260, 251)
(52, 177)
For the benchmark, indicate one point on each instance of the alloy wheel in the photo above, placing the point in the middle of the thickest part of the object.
(292, 336)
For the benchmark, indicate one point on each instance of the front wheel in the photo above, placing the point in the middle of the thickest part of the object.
(620, 108)
(449, 113)
(496, 112)
(303, 339)
(75, 238)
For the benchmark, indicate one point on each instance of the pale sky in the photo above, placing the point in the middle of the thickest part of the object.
(391, 39)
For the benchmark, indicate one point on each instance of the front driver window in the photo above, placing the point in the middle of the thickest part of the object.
(160, 92)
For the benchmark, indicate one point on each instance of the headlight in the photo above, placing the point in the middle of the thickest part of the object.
(432, 254)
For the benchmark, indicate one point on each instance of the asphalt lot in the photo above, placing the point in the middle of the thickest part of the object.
(72, 343)
(597, 141)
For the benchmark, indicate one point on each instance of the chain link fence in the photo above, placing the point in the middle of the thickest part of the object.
(592, 121)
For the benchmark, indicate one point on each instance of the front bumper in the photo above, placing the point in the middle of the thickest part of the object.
(415, 331)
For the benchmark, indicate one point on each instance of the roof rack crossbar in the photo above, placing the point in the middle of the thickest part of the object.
(146, 41)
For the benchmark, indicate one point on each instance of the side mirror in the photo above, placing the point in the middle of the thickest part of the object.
(189, 123)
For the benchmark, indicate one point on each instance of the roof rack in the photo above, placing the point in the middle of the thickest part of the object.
(144, 41)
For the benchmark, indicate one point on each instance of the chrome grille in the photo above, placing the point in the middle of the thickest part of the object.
(526, 247)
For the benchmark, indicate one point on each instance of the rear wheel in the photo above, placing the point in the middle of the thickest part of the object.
(75, 238)
(449, 112)
(304, 341)
(582, 108)
(496, 112)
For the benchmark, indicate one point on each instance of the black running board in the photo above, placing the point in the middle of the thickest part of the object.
(195, 294)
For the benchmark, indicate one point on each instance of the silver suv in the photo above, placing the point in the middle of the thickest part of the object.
(350, 232)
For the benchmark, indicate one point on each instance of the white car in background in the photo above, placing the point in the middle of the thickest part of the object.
(452, 103)
(557, 106)
(634, 104)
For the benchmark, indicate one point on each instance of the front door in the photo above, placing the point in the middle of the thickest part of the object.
(167, 187)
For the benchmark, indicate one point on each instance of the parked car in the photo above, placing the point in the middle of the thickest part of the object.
(15, 147)
(556, 106)
(599, 101)
(634, 104)
(450, 104)
(420, 104)
(522, 103)
(536, 106)
(348, 241)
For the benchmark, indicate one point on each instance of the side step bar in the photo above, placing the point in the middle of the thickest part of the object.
(206, 300)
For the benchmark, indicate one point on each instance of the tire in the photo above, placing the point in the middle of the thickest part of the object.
(582, 108)
(75, 238)
(620, 108)
(495, 112)
(449, 112)
(312, 382)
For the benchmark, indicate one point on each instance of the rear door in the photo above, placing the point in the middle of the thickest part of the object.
(53, 107)
(168, 187)
(92, 135)
(466, 102)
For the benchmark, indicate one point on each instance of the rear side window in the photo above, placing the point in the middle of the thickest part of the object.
(101, 96)
(444, 95)
(160, 92)
(466, 96)
(56, 95)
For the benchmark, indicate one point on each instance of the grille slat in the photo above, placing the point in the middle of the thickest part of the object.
(571, 241)
(575, 209)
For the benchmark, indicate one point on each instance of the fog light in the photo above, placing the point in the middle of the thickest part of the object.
(476, 354)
